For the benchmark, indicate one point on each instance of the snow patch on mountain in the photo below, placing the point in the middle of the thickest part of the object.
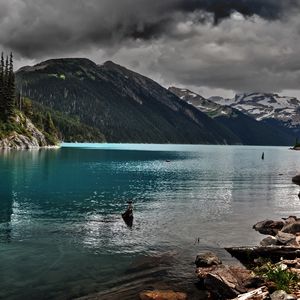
(264, 106)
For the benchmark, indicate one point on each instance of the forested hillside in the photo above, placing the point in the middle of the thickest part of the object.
(123, 105)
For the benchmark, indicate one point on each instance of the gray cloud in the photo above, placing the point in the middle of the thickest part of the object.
(240, 45)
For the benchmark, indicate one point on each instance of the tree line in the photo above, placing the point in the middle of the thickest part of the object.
(7, 87)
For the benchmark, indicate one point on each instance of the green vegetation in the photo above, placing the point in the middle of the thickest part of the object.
(283, 279)
(7, 88)
(68, 128)
(13, 109)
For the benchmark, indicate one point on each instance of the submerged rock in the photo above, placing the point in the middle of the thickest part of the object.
(162, 295)
(207, 259)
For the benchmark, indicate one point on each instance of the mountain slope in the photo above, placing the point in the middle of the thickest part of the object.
(123, 105)
(249, 131)
(69, 129)
(266, 106)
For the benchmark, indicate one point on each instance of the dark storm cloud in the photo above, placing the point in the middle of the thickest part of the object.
(36, 27)
(218, 44)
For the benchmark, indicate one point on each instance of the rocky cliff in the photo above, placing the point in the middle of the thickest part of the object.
(21, 133)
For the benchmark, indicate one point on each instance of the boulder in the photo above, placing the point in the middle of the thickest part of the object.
(296, 179)
(269, 227)
(292, 228)
(284, 238)
(269, 241)
(282, 295)
(162, 295)
(225, 282)
(207, 259)
(290, 219)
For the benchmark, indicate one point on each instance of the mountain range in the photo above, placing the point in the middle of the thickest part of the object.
(111, 103)
(250, 130)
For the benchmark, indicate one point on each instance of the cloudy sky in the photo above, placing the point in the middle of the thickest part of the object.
(215, 47)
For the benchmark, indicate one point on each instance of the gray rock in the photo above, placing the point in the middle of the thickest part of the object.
(290, 219)
(225, 282)
(33, 138)
(292, 228)
(269, 227)
(269, 241)
(207, 259)
(284, 238)
(282, 295)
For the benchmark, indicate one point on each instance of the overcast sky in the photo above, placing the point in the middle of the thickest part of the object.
(215, 47)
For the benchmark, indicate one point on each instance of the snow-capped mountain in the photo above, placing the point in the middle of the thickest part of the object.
(247, 128)
(265, 106)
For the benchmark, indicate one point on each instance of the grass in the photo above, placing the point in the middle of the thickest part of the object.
(283, 279)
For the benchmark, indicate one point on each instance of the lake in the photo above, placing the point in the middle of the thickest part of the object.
(62, 236)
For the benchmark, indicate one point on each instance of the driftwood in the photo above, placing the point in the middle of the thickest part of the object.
(247, 255)
(258, 294)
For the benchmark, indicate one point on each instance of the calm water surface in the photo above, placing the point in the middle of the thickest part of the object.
(61, 235)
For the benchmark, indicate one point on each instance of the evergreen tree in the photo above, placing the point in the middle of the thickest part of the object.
(2, 85)
(49, 126)
(7, 87)
(10, 102)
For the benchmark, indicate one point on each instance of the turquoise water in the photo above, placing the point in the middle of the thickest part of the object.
(61, 234)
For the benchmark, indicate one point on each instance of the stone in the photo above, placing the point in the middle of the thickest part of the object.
(290, 219)
(284, 238)
(162, 295)
(296, 179)
(207, 259)
(292, 228)
(282, 295)
(223, 281)
(269, 241)
(268, 227)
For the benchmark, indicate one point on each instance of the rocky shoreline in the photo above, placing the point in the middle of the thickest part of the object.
(270, 270)
(31, 138)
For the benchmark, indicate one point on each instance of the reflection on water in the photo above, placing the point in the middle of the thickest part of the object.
(61, 231)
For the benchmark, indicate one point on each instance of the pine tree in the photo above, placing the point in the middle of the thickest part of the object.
(5, 87)
(49, 126)
(11, 87)
(2, 85)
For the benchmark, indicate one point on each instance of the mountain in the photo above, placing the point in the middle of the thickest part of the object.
(246, 128)
(121, 104)
(272, 108)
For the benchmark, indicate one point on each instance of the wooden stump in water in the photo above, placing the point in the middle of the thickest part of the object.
(128, 217)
